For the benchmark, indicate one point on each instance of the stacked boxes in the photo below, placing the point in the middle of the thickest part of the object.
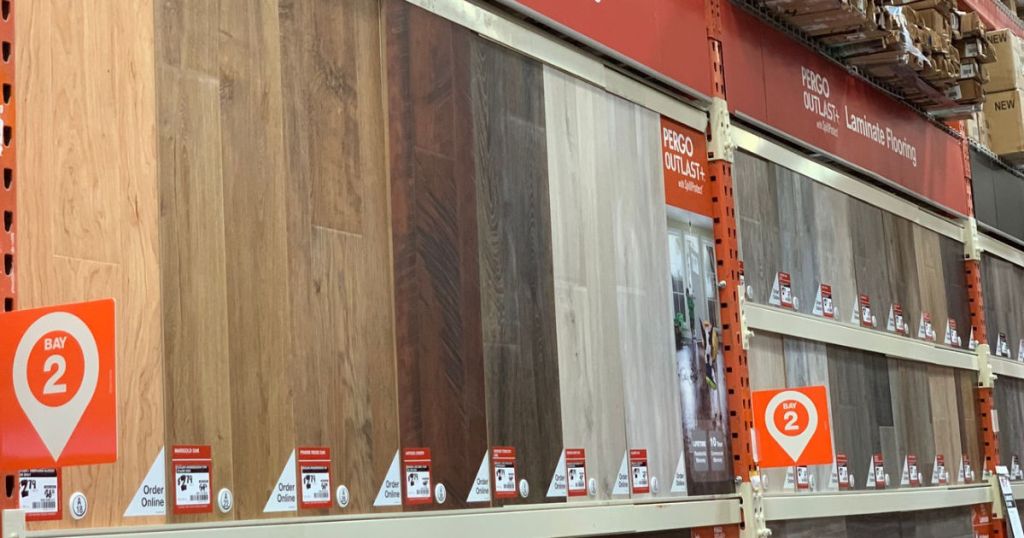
(918, 47)
(1003, 115)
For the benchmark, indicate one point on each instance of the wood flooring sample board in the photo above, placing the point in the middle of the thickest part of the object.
(517, 287)
(441, 394)
(590, 370)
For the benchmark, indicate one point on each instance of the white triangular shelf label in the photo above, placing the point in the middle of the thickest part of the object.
(151, 497)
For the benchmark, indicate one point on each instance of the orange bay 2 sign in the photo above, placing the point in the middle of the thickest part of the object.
(792, 427)
(58, 386)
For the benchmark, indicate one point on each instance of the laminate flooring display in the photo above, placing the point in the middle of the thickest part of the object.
(89, 214)
(903, 270)
(797, 247)
(589, 364)
(955, 280)
(438, 328)
(1009, 400)
(516, 273)
(967, 406)
(758, 214)
(871, 261)
(653, 415)
(1004, 311)
(272, 179)
(833, 247)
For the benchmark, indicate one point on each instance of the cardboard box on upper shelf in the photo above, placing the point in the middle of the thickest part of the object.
(1007, 72)
(1006, 124)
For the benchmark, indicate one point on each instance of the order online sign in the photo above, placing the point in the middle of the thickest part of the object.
(58, 386)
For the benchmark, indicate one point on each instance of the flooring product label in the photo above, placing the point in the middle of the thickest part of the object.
(897, 323)
(782, 291)
(39, 494)
(639, 477)
(390, 492)
(876, 473)
(684, 166)
(844, 478)
(1002, 346)
(192, 466)
(862, 314)
(792, 426)
(151, 497)
(966, 474)
(558, 488)
(416, 472)
(951, 337)
(282, 497)
(939, 475)
(925, 331)
(679, 478)
(576, 472)
(504, 458)
(1015, 470)
(315, 477)
(911, 476)
(823, 305)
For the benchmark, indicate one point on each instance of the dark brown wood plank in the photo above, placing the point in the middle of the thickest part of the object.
(437, 296)
(870, 259)
(516, 273)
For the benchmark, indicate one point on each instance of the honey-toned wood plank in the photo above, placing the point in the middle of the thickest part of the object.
(88, 208)
(339, 241)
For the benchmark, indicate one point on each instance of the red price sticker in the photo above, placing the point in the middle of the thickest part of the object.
(314, 477)
(576, 469)
(417, 482)
(504, 460)
(192, 478)
(639, 478)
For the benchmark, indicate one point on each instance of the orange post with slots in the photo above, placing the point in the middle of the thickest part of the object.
(984, 525)
(728, 270)
(8, 186)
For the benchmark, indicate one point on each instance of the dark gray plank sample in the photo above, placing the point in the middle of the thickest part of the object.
(955, 278)
(870, 258)
(967, 406)
(798, 255)
(861, 409)
(1009, 401)
(758, 221)
(903, 268)
(833, 247)
(912, 415)
(516, 274)
(825, 527)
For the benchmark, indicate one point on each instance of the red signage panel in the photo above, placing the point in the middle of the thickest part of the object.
(667, 38)
(57, 386)
(684, 162)
(803, 95)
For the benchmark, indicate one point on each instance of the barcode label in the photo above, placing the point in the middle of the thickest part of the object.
(38, 491)
(199, 498)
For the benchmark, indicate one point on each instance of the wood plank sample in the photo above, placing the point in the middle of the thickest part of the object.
(797, 246)
(516, 274)
(1009, 403)
(339, 237)
(931, 279)
(646, 345)
(88, 209)
(437, 292)
(903, 270)
(820, 527)
(590, 370)
(955, 280)
(870, 258)
(912, 415)
(946, 414)
(967, 406)
(806, 366)
(758, 222)
(833, 247)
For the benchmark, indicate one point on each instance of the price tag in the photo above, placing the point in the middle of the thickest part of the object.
(952, 338)
(782, 291)
(876, 472)
(823, 305)
(865, 318)
(897, 324)
(576, 468)
(803, 479)
(843, 472)
(315, 477)
(1002, 346)
(504, 458)
(638, 476)
(39, 494)
(417, 483)
(925, 330)
(939, 475)
(192, 468)
(1015, 470)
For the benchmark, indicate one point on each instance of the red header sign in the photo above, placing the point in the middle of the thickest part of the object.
(794, 90)
(684, 163)
(666, 38)
(57, 386)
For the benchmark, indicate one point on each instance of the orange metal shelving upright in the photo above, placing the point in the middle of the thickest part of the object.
(728, 270)
(8, 187)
